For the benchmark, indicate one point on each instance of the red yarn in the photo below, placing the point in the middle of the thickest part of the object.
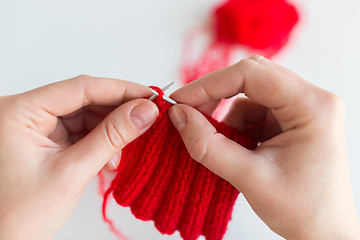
(260, 24)
(159, 180)
(263, 26)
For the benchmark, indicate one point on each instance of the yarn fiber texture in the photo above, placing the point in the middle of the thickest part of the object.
(159, 181)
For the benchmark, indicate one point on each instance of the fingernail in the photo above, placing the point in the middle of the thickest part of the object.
(143, 115)
(114, 162)
(178, 117)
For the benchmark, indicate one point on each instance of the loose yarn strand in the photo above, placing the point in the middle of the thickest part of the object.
(111, 224)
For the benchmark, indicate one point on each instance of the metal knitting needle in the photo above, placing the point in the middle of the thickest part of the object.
(164, 97)
(163, 89)
(167, 86)
(169, 100)
(153, 96)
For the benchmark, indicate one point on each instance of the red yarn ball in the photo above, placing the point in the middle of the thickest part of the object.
(259, 24)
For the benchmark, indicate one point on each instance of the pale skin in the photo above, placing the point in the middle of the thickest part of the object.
(56, 138)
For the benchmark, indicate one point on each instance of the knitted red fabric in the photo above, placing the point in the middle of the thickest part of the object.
(159, 181)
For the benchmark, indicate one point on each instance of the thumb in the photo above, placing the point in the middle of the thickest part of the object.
(219, 154)
(123, 125)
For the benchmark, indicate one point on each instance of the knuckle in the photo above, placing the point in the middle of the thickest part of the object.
(245, 63)
(328, 110)
(337, 103)
(256, 58)
(83, 80)
(82, 77)
(248, 64)
(115, 134)
(332, 103)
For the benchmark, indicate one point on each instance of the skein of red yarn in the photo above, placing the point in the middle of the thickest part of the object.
(159, 181)
(259, 24)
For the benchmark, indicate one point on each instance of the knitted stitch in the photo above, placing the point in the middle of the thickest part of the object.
(159, 181)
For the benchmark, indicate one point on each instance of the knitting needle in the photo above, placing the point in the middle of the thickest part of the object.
(167, 86)
(169, 100)
(164, 97)
(163, 89)
(153, 96)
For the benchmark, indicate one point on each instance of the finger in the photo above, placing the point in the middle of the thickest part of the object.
(203, 144)
(98, 109)
(208, 107)
(267, 62)
(91, 120)
(74, 123)
(253, 119)
(119, 128)
(247, 116)
(270, 128)
(60, 135)
(67, 96)
(244, 112)
(75, 137)
(114, 162)
(290, 97)
(102, 110)
(83, 121)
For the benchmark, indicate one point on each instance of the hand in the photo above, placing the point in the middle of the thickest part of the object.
(297, 180)
(54, 140)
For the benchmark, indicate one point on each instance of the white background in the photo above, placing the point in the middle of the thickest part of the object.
(141, 41)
